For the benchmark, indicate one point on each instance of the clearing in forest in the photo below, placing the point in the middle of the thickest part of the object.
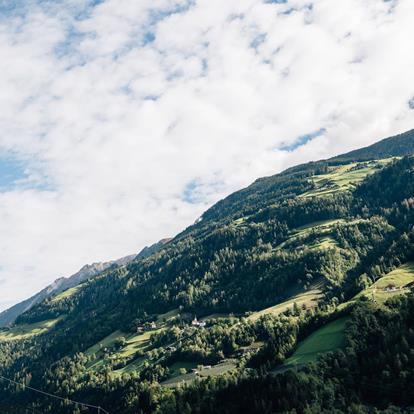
(305, 299)
(27, 330)
(395, 283)
(326, 339)
(320, 231)
(65, 294)
(197, 371)
(344, 177)
(129, 349)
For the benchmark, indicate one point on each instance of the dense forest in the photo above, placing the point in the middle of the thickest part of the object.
(236, 294)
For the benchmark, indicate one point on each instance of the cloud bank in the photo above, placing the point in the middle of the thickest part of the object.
(122, 121)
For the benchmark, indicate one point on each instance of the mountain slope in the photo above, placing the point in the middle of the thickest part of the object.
(325, 230)
(8, 316)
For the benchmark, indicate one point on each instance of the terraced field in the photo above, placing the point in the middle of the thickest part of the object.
(216, 316)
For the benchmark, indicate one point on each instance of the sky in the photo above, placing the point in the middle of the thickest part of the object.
(122, 121)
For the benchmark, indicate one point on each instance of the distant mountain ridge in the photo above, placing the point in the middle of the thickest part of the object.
(149, 250)
(61, 284)
(8, 316)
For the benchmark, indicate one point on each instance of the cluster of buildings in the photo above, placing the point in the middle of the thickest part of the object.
(147, 327)
(152, 325)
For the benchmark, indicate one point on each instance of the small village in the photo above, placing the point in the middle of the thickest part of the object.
(151, 326)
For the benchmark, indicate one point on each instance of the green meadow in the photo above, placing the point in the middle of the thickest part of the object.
(328, 338)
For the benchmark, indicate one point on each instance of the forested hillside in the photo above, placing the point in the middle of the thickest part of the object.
(270, 303)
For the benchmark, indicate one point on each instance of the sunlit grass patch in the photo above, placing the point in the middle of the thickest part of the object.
(65, 294)
(328, 338)
(392, 284)
(307, 299)
(24, 331)
(344, 177)
(200, 372)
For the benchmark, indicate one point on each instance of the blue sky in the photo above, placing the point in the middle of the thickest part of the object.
(122, 121)
(302, 140)
(11, 171)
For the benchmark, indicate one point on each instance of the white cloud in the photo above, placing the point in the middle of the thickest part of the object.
(120, 108)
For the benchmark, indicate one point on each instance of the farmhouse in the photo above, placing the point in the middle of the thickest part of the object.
(198, 324)
(390, 288)
(146, 327)
(247, 350)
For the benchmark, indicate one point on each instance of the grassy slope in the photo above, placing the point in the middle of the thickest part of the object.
(322, 229)
(202, 372)
(25, 331)
(331, 336)
(65, 294)
(135, 344)
(398, 278)
(322, 224)
(308, 298)
(343, 178)
(107, 342)
(328, 338)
